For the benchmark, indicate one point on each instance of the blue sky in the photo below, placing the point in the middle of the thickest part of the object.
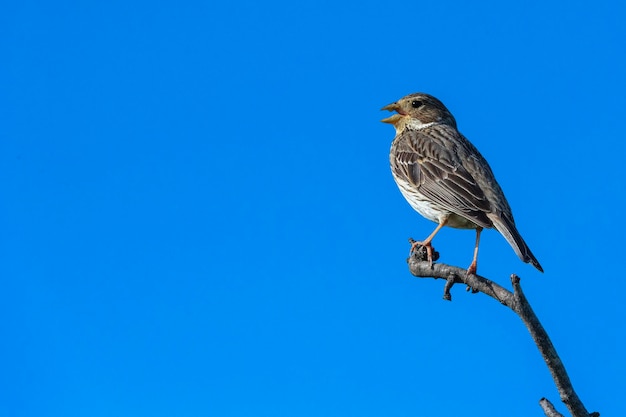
(198, 217)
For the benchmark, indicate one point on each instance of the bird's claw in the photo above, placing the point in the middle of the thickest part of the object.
(471, 271)
(472, 289)
(423, 252)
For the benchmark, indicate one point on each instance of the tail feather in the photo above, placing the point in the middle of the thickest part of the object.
(507, 228)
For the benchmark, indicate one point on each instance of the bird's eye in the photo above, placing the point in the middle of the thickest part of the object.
(416, 104)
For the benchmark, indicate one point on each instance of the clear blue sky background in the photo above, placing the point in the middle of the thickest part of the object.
(198, 219)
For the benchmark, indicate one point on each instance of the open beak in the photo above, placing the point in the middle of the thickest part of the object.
(393, 119)
(391, 107)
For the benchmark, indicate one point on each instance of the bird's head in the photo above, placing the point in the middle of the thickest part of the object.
(417, 111)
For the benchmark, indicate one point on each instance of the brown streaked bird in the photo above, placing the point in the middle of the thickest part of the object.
(444, 177)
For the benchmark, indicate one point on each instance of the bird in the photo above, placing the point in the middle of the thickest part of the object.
(444, 177)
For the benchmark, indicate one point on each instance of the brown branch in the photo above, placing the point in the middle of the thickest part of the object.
(517, 302)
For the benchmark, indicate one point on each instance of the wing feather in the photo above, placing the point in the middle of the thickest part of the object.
(430, 162)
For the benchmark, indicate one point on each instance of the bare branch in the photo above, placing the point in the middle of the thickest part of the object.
(545, 346)
(548, 408)
(517, 302)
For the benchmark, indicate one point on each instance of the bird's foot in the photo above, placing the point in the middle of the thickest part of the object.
(471, 271)
(469, 288)
(423, 252)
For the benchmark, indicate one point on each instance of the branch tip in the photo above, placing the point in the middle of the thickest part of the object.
(446, 288)
(548, 408)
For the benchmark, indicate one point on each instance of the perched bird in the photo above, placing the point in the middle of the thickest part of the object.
(444, 177)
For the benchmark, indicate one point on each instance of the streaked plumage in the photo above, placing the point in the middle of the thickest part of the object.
(444, 177)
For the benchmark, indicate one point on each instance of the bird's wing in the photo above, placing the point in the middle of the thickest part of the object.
(431, 159)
